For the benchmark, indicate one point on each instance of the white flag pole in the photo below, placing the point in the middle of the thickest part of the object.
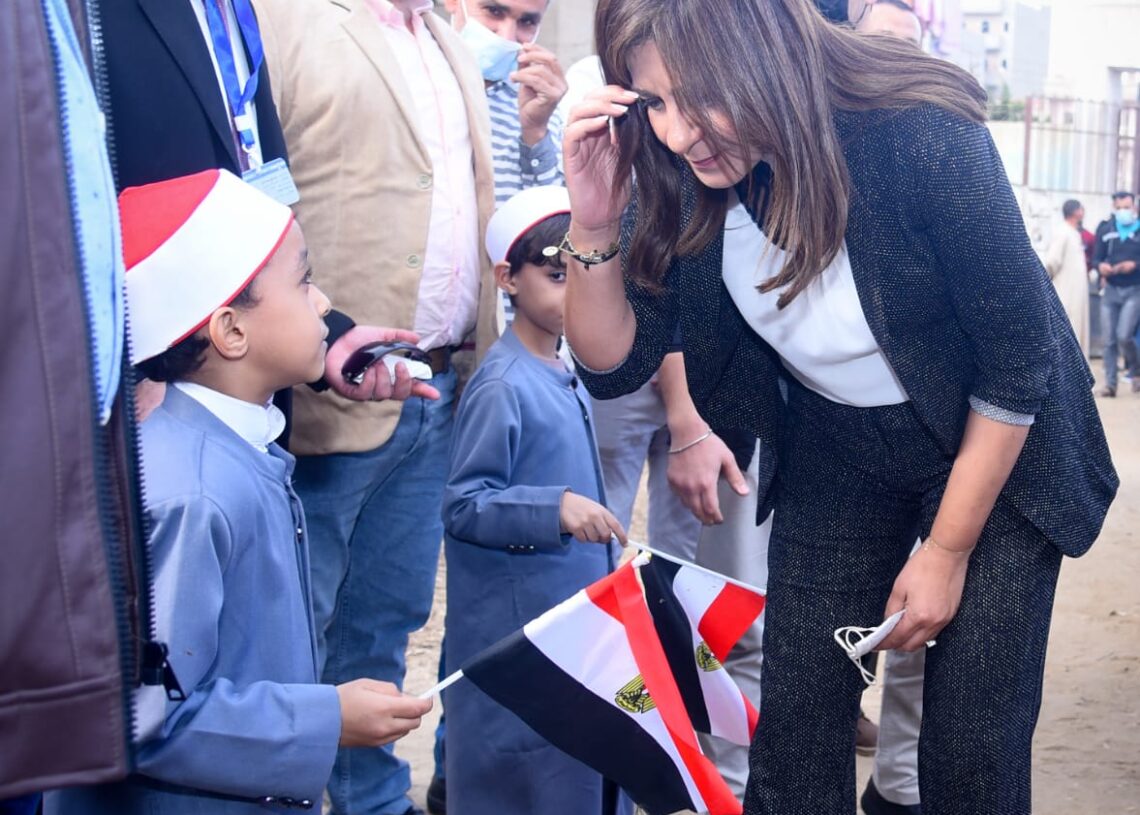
(442, 686)
(695, 567)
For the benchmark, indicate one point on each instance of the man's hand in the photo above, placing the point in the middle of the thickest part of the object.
(588, 520)
(695, 473)
(1124, 267)
(542, 84)
(377, 384)
(1105, 269)
(374, 713)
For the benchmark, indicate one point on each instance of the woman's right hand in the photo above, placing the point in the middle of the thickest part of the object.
(589, 155)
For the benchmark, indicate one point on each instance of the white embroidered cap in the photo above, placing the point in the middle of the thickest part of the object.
(521, 212)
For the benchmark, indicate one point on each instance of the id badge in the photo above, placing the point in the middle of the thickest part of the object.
(274, 179)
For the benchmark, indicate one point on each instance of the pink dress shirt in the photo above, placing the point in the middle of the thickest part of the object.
(449, 284)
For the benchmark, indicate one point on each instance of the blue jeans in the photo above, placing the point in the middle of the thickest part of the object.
(24, 805)
(375, 532)
(1120, 316)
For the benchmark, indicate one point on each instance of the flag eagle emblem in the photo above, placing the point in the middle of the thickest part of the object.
(706, 660)
(634, 697)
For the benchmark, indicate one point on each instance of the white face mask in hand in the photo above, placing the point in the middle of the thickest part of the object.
(497, 57)
(857, 642)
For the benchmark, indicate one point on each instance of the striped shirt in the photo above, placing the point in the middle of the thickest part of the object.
(518, 167)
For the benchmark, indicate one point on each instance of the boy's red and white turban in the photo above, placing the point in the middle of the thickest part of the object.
(191, 245)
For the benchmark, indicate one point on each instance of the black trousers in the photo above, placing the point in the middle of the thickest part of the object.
(856, 487)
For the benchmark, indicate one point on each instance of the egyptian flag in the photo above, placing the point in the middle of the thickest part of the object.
(591, 677)
(699, 617)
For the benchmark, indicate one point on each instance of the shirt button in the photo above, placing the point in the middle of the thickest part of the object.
(414, 261)
(424, 181)
(534, 162)
(300, 531)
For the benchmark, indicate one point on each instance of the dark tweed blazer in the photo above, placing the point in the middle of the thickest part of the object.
(954, 295)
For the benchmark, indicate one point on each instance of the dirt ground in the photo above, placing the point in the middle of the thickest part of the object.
(1087, 748)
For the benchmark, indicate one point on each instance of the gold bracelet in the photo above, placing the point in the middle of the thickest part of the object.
(675, 450)
(931, 543)
(588, 259)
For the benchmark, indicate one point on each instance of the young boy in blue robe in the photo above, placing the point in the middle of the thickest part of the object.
(525, 523)
(223, 310)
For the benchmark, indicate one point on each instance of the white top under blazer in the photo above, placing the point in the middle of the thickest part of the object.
(822, 336)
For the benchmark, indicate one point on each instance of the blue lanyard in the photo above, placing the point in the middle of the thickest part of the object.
(238, 97)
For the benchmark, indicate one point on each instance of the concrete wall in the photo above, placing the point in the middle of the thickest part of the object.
(568, 30)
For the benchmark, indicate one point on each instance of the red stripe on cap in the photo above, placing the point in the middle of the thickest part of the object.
(527, 229)
(149, 215)
(728, 616)
(662, 687)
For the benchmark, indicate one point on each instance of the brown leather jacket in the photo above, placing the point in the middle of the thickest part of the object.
(69, 609)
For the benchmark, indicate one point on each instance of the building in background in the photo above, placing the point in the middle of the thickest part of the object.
(1006, 44)
(1095, 50)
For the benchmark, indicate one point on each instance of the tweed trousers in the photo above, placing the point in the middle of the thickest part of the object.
(856, 486)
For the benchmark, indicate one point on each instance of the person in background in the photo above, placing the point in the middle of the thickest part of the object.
(526, 523)
(524, 83)
(385, 116)
(1116, 258)
(1065, 263)
(895, 18)
(188, 90)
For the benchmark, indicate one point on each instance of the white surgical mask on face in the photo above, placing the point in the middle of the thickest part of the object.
(498, 57)
(1125, 217)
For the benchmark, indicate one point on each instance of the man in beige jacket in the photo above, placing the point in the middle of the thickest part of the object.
(385, 119)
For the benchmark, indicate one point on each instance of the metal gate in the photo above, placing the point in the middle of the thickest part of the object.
(1077, 148)
(1081, 147)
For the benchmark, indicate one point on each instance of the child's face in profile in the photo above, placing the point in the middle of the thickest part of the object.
(286, 325)
(539, 292)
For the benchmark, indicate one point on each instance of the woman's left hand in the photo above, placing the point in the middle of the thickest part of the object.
(694, 475)
(930, 589)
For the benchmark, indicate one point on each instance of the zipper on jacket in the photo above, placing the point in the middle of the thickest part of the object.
(123, 542)
(151, 662)
(115, 552)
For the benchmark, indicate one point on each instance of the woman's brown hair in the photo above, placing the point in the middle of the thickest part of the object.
(777, 71)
